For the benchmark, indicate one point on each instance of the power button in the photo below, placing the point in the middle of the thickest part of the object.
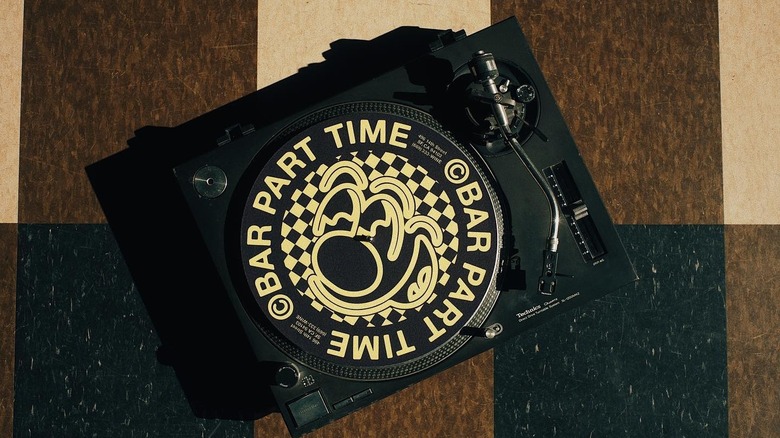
(308, 408)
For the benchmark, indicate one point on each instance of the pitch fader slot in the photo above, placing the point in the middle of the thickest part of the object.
(576, 212)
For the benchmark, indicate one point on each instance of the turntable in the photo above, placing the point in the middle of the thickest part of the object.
(387, 232)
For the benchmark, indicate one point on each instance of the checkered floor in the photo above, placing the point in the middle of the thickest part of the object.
(652, 92)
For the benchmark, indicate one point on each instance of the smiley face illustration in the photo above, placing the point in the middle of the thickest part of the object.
(370, 243)
(376, 240)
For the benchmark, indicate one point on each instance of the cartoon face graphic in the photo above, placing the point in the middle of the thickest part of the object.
(367, 247)
(382, 241)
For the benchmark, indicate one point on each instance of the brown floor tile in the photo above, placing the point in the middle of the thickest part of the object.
(455, 402)
(638, 84)
(753, 329)
(8, 246)
(94, 72)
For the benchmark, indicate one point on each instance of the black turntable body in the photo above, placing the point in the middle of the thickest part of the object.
(391, 230)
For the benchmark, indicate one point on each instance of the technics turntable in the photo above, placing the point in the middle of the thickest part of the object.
(400, 226)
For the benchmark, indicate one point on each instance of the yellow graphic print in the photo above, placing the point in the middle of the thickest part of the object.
(416, 226)
(398, 203)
